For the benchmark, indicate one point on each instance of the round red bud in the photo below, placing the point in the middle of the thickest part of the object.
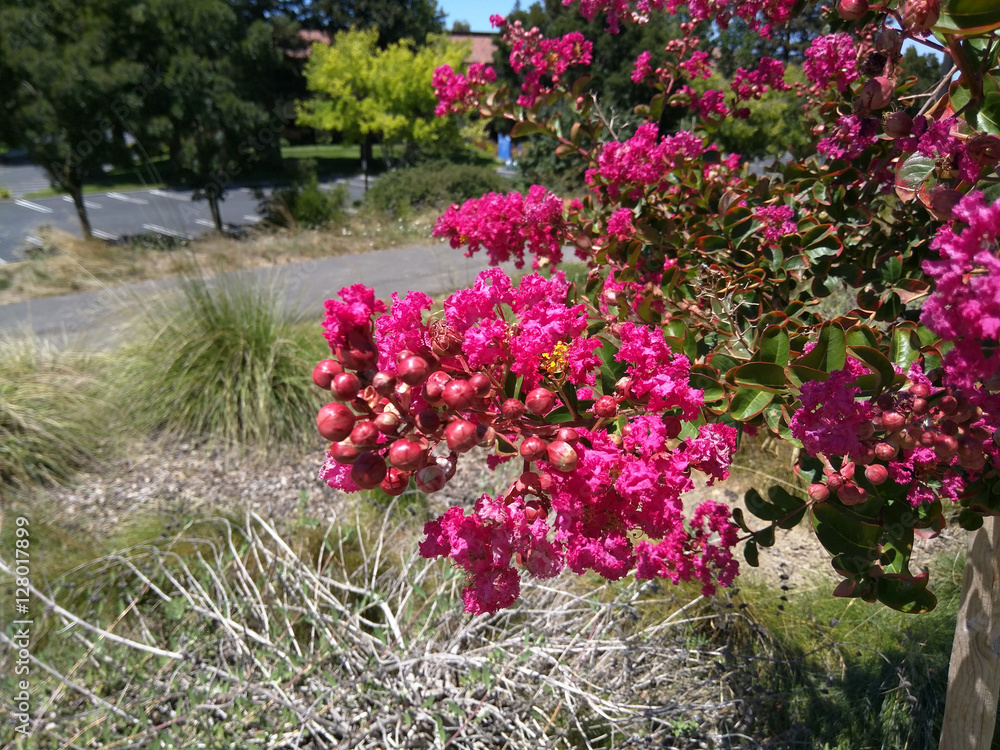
(674, 427)
(852, 10)
(540, 401)
(384, 383)
(387, 423)
(430, 479)
(448, 464)
(344, 452)
(406, 455)
(606, 407)
(335, 422)
(324, 372)
(512, 409)
(459, 395)
(897, 125)
(835, 481)
(920, 390)
(865, 431)
(368, 471)
(876, 474)
(948, 404)
(345, 386)
(889, 41)
(885, 451)
(919, 16)
(533, 449)
(404, 354)
(428, 421)
(919, 406)
(568, 435)
(532, 511)
(876, 93)
(395, 482)
(893, 421)
(927, 438)
(907, 439)
(851, 494)
(945, 447)
(481, 383)
(365, 435)
(818, 492)
(562, 456)
(414, 370)
(460, 435)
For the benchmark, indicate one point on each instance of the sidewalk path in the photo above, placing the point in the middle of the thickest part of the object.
(95, 318)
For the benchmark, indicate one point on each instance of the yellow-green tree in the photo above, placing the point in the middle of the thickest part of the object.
(372, 95)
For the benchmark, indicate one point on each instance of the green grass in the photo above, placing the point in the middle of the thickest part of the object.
(52, 417)
(223, 361)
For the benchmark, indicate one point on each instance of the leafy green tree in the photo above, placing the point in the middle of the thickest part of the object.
(216, 112)
(741, 47)
(66, 80)
(374, 95)
(394, 20)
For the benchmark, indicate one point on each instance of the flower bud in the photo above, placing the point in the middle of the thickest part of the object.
(818, 492)
(512, 409)
(945, 447)
(568, 435)
(428, 421)
(562, 456)
(481, 384)
(893, 421)
(835, 481)
(533, 449)
(384, 383)
(387, 423)
(430, 479)
(335, 422)
(458, 395)
(540, 401)
(460, 435)
(414, 370)
(368, 471)
(324, 372)
(919, 16)
(344, 452)
(943, 201)
(985, 149)
(434, 387)
(876, 474)
(897, 124)
(851, 494)
(606, 407)
(448, 464)
(395, 482)
(485, 436)
(406, 455)
(365, 435)
(876, 93)
(445, 340)
(885, 451)
(852, 10)
(345, 386)
(847, 470)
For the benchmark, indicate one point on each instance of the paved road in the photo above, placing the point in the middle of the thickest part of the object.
(95, 319)
(112, 215)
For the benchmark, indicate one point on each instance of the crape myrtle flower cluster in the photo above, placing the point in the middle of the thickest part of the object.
(458, 93)
(759, 15)
(600, 489)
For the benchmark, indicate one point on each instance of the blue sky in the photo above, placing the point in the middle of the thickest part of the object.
(476, 12)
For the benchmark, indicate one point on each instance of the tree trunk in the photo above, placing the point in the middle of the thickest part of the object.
(366, 156)
(974, 674)
(76, 192)
(213, 206)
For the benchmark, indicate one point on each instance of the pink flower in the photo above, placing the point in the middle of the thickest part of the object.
(352, 313)
(642, 69)
(620, 224)
(543, 62)
(770, 74)
(831, 59)
(850, 137)
(657, 372)
(831, 417)
(776, 220)
(459, 93)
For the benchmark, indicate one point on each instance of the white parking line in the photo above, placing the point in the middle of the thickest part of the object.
(164, 230)
(205, 223)
(86, 203)
(104, 235)
(33, 206)
(128, 199)
(252, 218)
(33, 240)
(172, 196)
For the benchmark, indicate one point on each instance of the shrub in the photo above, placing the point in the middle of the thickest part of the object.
(50, 420)
(224, 361)
(433, 185)
(305, 205)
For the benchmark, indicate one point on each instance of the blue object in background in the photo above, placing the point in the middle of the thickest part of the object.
(503, 148)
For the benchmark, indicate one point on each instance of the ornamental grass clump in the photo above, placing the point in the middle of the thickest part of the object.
(50, 415)
(223, 361)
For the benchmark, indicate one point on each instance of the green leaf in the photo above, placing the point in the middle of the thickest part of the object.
(911, 174)
(906, 593)
(760, 507)
(878, 362)
(761, 375)
(702, 379)
(988, 118)
(853, 541)
(524, 127)
(969, 16)
(747, 403)
(751, 554)
(902, 351)
(830, 352)
(773, 345)
(765, 537)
